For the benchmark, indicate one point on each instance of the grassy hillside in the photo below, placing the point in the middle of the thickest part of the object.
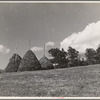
(69, 82)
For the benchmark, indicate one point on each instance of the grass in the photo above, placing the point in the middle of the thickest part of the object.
(81, 81)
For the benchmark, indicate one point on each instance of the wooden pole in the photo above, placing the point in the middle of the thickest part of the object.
(44, 49)
(16, 49)
(29, 44)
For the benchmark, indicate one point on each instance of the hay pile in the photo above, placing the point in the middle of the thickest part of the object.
(46, 63)
(13, 63)
(29, 62)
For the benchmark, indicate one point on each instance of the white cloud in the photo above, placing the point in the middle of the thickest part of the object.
(49, 44)
(36, 49)
(4, 49)
(88, 38)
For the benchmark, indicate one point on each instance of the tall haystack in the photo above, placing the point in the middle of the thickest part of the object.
(46, 63)
(13, 64)
(29, 62)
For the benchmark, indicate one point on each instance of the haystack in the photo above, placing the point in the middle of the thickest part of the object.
(29, 62)
(46, 63)
(13, 64)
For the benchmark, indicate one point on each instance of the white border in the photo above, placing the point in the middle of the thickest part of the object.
(49, 1)
(77, 98)
(50, 98)
(52, 3)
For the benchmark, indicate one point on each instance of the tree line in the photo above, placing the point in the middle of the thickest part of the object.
(71, 58)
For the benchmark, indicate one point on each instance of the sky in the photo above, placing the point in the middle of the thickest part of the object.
(57, 25)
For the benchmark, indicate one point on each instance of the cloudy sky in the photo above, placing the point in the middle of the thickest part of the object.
(56, 25)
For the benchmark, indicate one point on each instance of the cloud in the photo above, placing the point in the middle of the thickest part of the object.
(49, 44)
(88, 38)
(36, 49)
(4, 49)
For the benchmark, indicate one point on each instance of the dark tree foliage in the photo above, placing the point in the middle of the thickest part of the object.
(98, 55)
(59, 57)
(73, 57)
(91, 56)
(13, 64)
(82, 62)
(29, 62)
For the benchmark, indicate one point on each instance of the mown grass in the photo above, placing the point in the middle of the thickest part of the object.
(67, 82)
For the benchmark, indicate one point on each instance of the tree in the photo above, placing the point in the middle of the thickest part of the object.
(90, 56)
(82, 62)
(73, 56)
(98, 54)
(59, 57)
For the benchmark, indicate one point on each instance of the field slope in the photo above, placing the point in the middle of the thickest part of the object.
(68, 82)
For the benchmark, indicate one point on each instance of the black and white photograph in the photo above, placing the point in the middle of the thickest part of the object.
(50, 49)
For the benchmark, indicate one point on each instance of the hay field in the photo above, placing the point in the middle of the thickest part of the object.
(68, 82)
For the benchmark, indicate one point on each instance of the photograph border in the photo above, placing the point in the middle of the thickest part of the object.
(52, 2)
